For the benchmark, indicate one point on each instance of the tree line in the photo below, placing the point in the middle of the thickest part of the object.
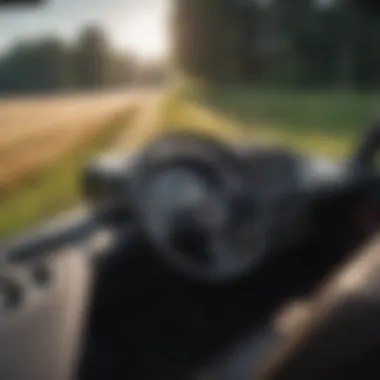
(303, 43)
(50, 65)
(306, 43)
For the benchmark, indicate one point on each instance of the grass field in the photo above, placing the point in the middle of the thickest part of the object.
(312, 111)
(323, 123)
(327, 123)
(43, 147)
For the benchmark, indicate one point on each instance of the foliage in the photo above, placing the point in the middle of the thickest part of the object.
(304, 111)
(290, 43)
(50, 65)
(232, 115)
(36, 66)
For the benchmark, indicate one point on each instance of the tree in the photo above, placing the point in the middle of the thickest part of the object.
(49, 65)
(214, 39)
(36, 66)
(121, 69)
(294, 42)
(92, 58)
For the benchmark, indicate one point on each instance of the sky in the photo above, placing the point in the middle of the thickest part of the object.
(139, 26)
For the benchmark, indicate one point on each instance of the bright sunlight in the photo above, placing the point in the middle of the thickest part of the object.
(147, 34)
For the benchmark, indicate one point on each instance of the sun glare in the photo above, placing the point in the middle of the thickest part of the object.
(147, 35)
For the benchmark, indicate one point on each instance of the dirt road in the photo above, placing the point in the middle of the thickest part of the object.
(35, 131)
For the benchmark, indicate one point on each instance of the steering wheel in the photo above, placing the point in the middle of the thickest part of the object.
(195, 204)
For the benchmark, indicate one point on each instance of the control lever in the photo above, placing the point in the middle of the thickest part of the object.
(72, 228)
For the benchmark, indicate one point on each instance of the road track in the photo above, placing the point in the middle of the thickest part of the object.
(34, 132)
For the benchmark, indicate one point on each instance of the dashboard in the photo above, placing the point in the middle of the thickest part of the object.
(169, 187)
(273, 170)
(213, 209)
(280, 175)
(231, 208)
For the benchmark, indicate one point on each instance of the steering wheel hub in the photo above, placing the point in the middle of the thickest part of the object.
(195, 205)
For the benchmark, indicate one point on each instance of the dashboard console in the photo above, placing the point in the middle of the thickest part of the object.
(254, 227)
(280, 183)
(208, 240)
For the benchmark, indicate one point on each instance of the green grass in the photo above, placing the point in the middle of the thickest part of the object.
(327, 123)
(57, 187)
(313, 111)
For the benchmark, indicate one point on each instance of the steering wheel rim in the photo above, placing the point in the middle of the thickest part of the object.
(200, 151)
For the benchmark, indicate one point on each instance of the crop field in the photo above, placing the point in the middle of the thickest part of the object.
(44, 144)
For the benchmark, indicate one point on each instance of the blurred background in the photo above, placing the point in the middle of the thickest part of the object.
(81, 78)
